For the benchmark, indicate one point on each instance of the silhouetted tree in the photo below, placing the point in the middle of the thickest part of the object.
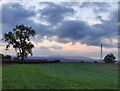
(109, 58)
(1, 56)
(19, 38)
(7, 57)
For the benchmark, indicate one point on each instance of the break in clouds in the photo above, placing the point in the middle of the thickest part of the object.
(90, 23)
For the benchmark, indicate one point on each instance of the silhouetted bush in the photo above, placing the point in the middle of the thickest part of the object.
(95, 61)
(7, 57)
(58, 60)
(16, 58)
(109, 58)
(82, 61)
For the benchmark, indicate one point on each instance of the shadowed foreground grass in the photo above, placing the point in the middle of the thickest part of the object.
(60, 76)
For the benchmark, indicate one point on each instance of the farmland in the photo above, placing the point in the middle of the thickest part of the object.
(60, 76)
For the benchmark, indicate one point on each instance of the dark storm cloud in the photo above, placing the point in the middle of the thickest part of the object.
(111, 26)
(54, 13)
(67, 30)
(72, 29)
(15, 13)
(78, 31)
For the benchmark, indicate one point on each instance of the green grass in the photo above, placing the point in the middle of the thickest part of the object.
(60, 76)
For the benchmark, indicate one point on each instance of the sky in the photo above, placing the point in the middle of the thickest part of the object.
(64, 28)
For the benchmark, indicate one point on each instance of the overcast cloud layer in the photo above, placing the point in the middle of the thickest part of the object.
(90, 23)
(56, 20)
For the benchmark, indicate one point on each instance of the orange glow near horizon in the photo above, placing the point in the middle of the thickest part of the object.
(72, 47)
(66, 49)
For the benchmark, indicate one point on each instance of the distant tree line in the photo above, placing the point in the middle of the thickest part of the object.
(5, 56)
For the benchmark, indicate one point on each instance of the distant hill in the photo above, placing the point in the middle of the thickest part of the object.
(65, 58)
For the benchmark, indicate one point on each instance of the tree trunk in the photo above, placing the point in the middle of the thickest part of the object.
(22, 55)
(22, 59)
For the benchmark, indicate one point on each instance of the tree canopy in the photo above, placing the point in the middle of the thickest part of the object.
(109, 58)
(19, 39)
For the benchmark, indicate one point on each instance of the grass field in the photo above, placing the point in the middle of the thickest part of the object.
(60, 76)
